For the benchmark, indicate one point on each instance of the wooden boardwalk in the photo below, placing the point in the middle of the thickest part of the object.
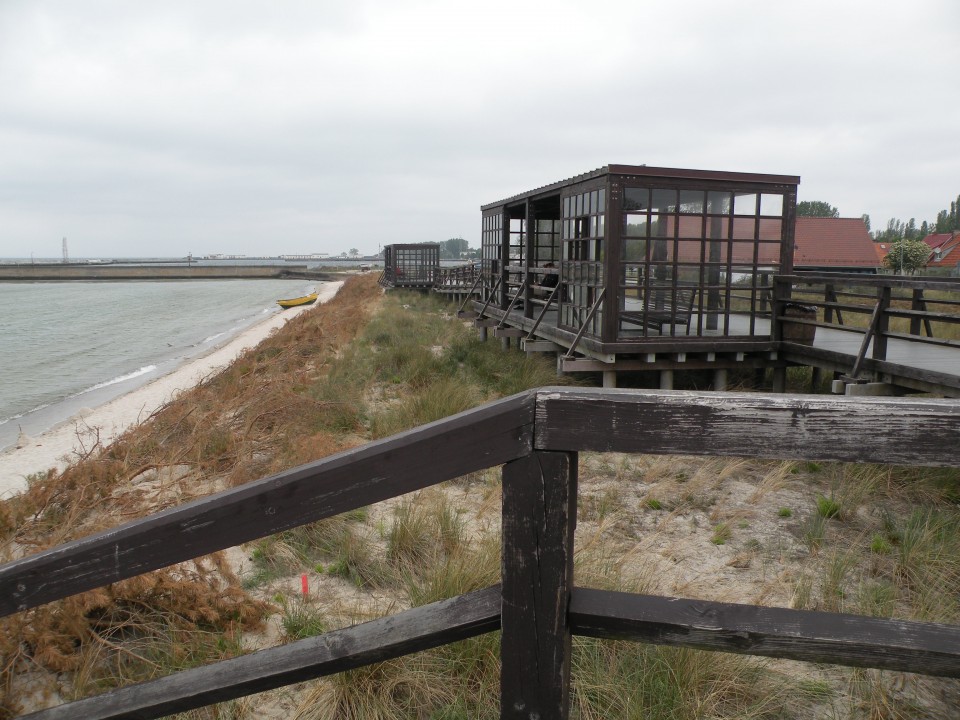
(872, 355)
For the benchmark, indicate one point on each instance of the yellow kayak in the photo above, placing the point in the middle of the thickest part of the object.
(296, 302)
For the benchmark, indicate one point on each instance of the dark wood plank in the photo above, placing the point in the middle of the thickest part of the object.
(539, 515)
(490, 435)
(390, 637)
(858, 280)
(882, 430)
(929, 648)
(921, 378)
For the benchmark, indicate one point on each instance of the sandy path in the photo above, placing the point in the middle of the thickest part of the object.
(62, 443)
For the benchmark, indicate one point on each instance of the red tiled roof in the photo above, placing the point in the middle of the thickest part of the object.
(833, 243)
(949, 255)
(935, 240)
(882, 249)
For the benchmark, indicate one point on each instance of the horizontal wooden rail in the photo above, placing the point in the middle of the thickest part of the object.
(876, 430)
(860, 280)
(474, 440)
(928, 648)
(414, 630)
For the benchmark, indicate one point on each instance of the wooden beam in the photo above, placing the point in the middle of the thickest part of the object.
(474, 440)
(411, 631)
(902, 431)
(539, 516)
(539, 346)
(928, 648)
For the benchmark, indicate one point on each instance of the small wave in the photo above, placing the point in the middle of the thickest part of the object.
(211, 338)
(129, 376)
(4, 421)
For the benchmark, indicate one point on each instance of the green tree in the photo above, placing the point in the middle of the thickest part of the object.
(816, 208)
(866, 221)
(949, 220)
(354, 252)
(453, 248)
(907, 256)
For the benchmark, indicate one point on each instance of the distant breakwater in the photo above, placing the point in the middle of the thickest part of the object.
(62, 273)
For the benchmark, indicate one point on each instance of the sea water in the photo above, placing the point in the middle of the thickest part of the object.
(66, 346)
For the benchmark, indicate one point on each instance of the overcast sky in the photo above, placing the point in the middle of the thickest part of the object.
(260, 128)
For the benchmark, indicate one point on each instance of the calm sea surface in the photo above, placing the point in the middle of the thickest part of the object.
(66, 346)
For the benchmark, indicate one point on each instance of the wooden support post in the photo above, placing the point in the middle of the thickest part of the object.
(666, 379)
(505, 343)
(917, 304)
(816, 379)
(539, 517)
(780, 379)
(883, 324)
(609, 378)
(720, 379)
(483, 333)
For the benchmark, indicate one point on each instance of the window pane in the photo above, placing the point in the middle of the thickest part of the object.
(690, 226)
(743, 252)
(745, 204)
(635, 225)
(688, 251)
(661, 225)
(603, 200)
(691, 201)
(771, 205)
(718, 203)
(771, 229)
(634, 249)
(636, 199)
(664, 200)
(743, 228)
(566, 207)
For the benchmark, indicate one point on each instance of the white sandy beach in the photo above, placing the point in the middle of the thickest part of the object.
(64, 442)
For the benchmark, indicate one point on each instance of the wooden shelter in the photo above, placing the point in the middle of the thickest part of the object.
(410, 265)
(629, 260)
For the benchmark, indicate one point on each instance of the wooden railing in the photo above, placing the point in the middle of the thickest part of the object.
(925, 310)
(459, 278)
(536, 437)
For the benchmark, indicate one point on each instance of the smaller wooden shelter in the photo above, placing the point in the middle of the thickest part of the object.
(413, 265)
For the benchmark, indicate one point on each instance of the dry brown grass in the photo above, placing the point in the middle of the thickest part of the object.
(252, 419)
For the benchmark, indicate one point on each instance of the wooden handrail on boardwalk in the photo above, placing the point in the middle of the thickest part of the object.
(536, 436)
(880, 309)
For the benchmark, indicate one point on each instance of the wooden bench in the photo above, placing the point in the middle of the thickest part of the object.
(664, 305)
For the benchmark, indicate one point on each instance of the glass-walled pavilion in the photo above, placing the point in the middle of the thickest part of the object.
(628, 255)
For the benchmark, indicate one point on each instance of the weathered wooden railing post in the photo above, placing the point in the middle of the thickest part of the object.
(883, 324)
(539, 517)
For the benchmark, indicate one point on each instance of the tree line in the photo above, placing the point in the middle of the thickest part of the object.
(947, 221)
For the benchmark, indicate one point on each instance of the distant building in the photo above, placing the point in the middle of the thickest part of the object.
(946, 251)
(412, 265)
(834, 245)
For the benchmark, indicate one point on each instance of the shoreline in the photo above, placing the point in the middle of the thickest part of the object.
(64, 442)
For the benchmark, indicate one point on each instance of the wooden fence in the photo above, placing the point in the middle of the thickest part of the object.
(536, 437)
